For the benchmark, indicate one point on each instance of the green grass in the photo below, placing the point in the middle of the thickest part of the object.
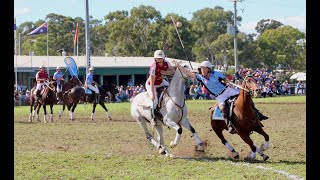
(118, 149)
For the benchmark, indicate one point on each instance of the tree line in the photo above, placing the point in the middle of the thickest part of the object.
(143, 30)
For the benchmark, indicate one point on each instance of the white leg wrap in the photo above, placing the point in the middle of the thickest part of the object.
(177, 139)
(155, 143)
(107, 116)
(60, 114)
(252, 155)
(51, 117)
(264, 146)
(196, 138)
(259, 151)
(38, 118)
(45, 118)
(229, 146)
(30, 117)
(72, 115)
(92, 116)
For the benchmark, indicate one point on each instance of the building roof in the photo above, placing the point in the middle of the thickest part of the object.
(24, 62)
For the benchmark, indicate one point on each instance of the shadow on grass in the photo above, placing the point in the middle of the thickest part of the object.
(215, 159)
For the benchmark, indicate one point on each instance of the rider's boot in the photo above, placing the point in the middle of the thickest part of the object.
(231, 128)
(38, 96)
(259, 114)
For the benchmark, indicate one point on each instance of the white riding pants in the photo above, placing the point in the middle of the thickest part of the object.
(94, 88)
(149, 91)
(39, 86)
(226, 94)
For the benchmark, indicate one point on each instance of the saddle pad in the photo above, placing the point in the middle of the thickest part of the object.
(88, 91)
(216, 115)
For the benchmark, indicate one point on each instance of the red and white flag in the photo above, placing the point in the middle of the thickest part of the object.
(75, 40)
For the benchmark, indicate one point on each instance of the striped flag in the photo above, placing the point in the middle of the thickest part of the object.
(40, 30)
(75, 40)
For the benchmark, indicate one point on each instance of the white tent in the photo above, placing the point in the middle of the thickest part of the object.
(296, 75)
(301, 78)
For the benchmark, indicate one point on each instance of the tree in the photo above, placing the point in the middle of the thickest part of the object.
(279, 46)
(266, 24)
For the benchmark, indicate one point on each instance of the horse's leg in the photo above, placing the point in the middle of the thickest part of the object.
(185, 122)
(264, 146)
(162, 149)
(72, 110)
(51, 111)
(45, 113)
(31, 107)
(93, 110)
(175, 126)
(63, 108)
(246, 138)
(37, 108)
(69, 109)
(108, 117)
(142, 122)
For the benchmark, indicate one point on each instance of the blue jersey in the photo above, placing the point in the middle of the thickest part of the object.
(89, 78)
(57, 75)
(213, 84)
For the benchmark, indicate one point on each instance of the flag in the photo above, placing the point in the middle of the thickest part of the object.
(75, 40)
(72, 66)
(15, 24)
(40, 30)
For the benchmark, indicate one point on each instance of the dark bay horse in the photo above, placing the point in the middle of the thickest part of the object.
(48, 97)
(74, 81)
(245, 121)
(77, 94)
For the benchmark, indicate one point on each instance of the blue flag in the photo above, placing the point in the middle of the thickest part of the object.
(15, 25)
(40, 30)
(72, 66)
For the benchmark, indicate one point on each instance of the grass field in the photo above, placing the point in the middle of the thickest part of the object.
(118, 149)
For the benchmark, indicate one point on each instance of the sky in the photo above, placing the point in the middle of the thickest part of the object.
(288, 12)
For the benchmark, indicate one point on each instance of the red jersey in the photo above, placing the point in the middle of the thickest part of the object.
(42, 75)
(155, 71)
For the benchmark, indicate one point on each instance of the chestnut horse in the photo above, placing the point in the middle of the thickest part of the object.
(48, 97)
(245, 121)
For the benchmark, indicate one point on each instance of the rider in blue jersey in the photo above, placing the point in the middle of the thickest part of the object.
(216, 84)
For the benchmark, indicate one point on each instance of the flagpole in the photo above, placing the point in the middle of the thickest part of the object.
(15, 53)
(48, 46)
(87, 37)
(78, 54)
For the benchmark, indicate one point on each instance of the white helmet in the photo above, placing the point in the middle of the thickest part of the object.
(159, 54)
(42, 66)
(206, 64)
(58, 67)
(91, 69)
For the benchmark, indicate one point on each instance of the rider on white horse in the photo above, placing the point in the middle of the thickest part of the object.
(159, 68)
(91, 84)
(216, 84)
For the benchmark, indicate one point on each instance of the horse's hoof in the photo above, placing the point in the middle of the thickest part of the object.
(200, 148)
(234, 155)
(265, 157)
(162, 151)
(109, 119)
(172, 145)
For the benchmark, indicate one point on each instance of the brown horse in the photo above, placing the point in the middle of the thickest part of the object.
(48, 97)
(245, 120)
(78, 93)
(73, 82)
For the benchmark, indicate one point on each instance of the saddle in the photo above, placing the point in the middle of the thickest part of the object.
(229, 105)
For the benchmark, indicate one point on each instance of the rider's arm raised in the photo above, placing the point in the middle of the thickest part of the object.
(190, 74)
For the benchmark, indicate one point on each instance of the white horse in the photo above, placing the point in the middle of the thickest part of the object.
(173, 110)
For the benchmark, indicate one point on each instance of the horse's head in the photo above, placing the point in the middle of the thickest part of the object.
(52, 86)
(181, 74)
(250, 84)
